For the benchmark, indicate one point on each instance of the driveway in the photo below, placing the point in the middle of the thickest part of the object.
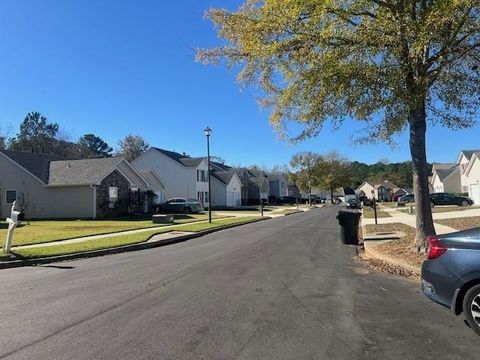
(279, 289)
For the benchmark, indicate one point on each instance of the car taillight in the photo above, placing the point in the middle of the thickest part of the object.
(436, 249)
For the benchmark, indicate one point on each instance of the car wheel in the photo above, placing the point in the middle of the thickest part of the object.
(471, 308)
(187, 210)
(464, 203)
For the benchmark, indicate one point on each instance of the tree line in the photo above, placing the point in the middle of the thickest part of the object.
(38, 135)
(332, 170)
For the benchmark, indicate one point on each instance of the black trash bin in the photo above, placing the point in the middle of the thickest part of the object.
(348, 222)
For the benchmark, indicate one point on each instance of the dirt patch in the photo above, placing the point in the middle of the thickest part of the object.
(401, 249)
(379, 265)
(461, 223)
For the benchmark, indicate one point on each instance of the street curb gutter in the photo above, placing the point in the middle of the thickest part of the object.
(119, 249)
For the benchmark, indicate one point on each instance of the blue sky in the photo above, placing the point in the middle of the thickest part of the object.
(114, 67)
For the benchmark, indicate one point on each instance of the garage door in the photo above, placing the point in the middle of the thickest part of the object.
(233, 198)
(474, 193)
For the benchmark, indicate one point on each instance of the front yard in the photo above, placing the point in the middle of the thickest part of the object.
(369, 213)
(120, 240)
(41, 231)
(463, 223)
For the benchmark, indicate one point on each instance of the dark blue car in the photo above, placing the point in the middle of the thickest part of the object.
(451, 275)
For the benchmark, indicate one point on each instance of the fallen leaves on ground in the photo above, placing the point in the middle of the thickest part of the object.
(464, 223)
(400, 249)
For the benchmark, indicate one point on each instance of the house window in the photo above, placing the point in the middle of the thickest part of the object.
(283, 185)
(10, 196)
(206, 196)
(112, 197)
(200, 196)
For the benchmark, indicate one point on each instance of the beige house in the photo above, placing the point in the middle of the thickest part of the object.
(472, 173)
(384, 191)
(50, 188)
(463, 161)
(446, 178)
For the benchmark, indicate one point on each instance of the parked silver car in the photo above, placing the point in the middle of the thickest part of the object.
(181, 205)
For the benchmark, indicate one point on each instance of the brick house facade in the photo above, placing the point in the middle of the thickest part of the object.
(108, 206)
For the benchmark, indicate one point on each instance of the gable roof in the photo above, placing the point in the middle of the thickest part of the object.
(81, 172)
(467, 153)
(386, 184)
(220, 166)
(442, 174)
(182, 159)
(37, 164)
(436, 166)
(152, 178)
(224, 176)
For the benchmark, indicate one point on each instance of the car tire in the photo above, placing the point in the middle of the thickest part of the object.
(464, 203)
(471, 308)
(187, 210)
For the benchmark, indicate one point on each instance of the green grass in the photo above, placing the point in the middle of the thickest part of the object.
(287, 211)
(42, 231)
(115, 241)
(368, 213)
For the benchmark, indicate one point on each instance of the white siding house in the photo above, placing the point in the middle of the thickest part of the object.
(446, 180)
(463, 160)
(184, 176)
(473, 178)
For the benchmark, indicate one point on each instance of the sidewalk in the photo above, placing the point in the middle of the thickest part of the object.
(404, 218)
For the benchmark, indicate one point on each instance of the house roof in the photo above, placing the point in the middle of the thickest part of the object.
(224, 176)
(277, 176)
(468, 154)
(153, 179)
(182, 159)
(386, 184)
(443, 165)
(444, 173)
(81, 172)
(221, 166)
(258, 178)
(37, 164)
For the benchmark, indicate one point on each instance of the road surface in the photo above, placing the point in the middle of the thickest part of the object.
(279, 289)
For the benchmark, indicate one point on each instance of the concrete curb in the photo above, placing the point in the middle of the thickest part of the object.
(119, 249)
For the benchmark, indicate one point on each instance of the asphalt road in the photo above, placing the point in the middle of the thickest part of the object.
(279, 289)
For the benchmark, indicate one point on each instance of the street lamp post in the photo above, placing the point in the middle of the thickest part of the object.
(208, 133)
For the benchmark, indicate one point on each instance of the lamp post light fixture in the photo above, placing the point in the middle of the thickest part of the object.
(208, 133)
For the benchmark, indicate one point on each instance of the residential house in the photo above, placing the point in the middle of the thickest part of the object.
(446, 178)
(278, 184)
(293, 190)
(184, 176)
(472, 173)
(463, 161)
(226, 188)
(261, 189)
(46, 187)
(384, 191)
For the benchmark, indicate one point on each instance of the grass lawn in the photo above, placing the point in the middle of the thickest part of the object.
(56, 250)
(41, 231)
(287, 211)
(368, 213)
(461, 223)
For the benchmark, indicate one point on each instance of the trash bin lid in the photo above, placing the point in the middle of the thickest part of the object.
(348, 215)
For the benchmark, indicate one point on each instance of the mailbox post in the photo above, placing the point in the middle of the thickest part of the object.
(15, 218)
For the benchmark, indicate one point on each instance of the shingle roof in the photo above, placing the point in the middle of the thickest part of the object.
(469, 153)
(441, 166)
(224, 176)
(277, 176)
(221, 166)
(182, 159)
(81, 172)
(152, 178)
(37, 164)
(443, 173)
(386, 184)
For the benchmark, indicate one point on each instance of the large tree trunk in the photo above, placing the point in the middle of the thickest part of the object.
(424, 220)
